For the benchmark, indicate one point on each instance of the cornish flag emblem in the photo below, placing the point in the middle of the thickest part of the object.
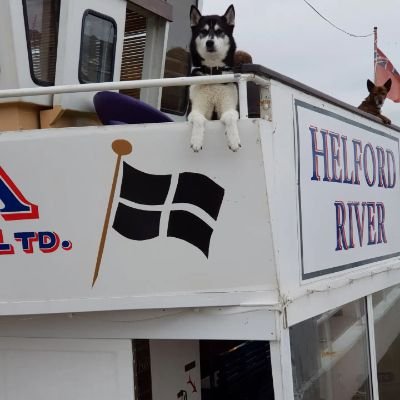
(141, 188)
(145, 199)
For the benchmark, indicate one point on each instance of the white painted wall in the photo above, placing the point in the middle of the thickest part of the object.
(48, 369)
(70, 182)
(305, 298)
(228, 323)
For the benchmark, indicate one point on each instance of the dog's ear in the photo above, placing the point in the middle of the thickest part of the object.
(230, 15)
(388, 84)
(195, 16)
(370, 86)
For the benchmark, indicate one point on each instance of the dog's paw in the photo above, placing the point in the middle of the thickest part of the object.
(196, 143)
(234, 148)
(234, 143)
(387, 121)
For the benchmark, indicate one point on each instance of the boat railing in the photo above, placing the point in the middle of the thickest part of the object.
(240, 79)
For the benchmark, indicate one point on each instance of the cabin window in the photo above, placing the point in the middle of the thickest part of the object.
(177, 60)
(97, 57)
(41, 27)
(202, 370)
(386, 310)
(235, 370)
(133, 49)
(330, 355)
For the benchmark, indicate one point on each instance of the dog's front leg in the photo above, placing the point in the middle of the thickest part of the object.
(198, 121)
(230, 118)
(202, 109)
(385, 120)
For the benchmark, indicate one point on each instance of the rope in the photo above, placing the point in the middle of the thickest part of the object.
(335, 26)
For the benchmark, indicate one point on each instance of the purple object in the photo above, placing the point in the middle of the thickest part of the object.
(117, 109)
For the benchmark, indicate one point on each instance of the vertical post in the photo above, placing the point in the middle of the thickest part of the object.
(243, 107)
(375, 51)
(154, 58)
(372, 349)
(281, 361)
(120, 147)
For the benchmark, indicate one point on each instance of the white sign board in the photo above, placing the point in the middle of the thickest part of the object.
(177, 224)
(349, 194)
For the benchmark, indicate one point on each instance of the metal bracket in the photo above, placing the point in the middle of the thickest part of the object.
(265, 103)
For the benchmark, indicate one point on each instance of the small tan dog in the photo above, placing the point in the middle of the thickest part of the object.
(241, 57)
(374, 102)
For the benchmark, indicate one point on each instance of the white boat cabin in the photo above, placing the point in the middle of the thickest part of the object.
(133, 268)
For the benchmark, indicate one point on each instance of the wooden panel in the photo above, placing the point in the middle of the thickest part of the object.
(133, 50)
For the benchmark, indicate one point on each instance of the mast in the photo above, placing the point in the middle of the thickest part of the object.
(375, 51)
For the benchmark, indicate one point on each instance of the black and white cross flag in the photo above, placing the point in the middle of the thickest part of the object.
(151, 191)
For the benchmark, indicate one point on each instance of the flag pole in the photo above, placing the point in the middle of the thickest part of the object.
(120, 147)
(375, 51)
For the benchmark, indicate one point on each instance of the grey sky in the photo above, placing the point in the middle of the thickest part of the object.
(290, 38)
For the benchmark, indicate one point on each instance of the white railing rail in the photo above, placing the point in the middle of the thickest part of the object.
(240, 79)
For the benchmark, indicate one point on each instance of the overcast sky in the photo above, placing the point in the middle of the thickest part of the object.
(289, 37)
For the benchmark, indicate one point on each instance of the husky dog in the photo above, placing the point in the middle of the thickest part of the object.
(212, 49)
(374, 102)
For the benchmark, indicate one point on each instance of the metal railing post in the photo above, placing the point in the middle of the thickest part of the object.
(242, 89)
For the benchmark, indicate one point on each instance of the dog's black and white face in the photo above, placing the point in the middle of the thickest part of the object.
(212, 43)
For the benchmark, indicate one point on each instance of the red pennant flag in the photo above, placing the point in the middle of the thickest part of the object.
(384, 70)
